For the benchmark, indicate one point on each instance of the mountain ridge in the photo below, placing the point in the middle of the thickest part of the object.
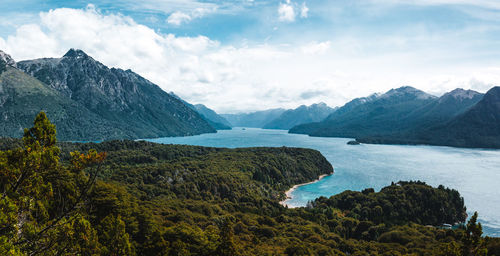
(302, 114)
(125, 100)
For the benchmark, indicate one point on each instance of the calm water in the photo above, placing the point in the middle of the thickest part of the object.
(475, 173)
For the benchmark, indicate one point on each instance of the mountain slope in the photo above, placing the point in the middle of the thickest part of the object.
(300, 115)
(122, 97)
(23, 96)
(254, 119)
(217, 121)
(374, 115)
(479, 126)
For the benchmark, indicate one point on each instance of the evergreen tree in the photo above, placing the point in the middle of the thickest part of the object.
(41, 198)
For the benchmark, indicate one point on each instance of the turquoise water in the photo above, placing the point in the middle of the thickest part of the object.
(475, 173)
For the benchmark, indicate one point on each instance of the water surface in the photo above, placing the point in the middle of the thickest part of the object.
(475, 173)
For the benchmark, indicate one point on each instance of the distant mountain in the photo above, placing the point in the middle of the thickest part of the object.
(478, 126)
(254, 119)
(300, 115)
(125, 102)
(215, 120)
(374, 115)
(462, 118)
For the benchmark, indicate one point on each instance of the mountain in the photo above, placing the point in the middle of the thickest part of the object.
(477, 126)
(301, 115)
(254, 119)
(131, 103)
(23, 96)
(215, 120)
(374, 115)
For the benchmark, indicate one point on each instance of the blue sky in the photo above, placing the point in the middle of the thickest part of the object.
(248, 55)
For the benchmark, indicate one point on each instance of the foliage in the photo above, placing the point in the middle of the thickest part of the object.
(152, 199)
(41, 198)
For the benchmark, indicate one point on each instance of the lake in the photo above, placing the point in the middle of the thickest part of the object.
(475, 173)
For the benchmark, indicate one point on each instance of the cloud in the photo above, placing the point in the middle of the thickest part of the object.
(232, 77)
(286, 12)
(178, 18)
(316, 48)
(304, 10)
(489, 4)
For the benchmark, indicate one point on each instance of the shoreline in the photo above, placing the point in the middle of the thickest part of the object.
(289, 192)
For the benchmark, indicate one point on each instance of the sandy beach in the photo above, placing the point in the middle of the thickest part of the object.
(289, 192)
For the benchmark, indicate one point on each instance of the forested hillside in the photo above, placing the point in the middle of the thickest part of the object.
(141, 198)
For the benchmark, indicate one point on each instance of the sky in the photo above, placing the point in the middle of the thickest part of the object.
(246, 55)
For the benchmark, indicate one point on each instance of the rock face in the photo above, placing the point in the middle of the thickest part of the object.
(125, 102)
(301, 115)
(6, 59)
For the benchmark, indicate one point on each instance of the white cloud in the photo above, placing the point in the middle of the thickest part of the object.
(231, 78)
(491, 4)
(286, 12)
(304, 10)
(316, 48)
(177, 18)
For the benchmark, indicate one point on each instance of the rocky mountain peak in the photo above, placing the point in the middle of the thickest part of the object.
(75, 53)
(461, 94)
(407, 90)
(5, 58)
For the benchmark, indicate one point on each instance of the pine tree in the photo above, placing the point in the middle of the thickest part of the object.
(41, 198)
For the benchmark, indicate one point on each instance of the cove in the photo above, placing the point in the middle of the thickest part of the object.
(475, 173)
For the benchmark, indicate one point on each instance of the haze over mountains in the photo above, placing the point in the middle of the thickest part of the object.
(462, 118)
(301, 115)
(254, 119)
(89, 101)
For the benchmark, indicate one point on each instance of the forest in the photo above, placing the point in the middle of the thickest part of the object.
(141, 198)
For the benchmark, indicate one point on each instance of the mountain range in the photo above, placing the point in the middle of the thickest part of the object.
(254, 119)
(301, 115)
(89, 101)
(462, 118)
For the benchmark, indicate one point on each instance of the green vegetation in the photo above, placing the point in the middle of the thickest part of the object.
(151, 199)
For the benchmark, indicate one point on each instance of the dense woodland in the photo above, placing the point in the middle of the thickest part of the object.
(141, 198)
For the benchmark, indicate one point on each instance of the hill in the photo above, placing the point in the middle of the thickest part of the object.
(301, 115)
(132, 103)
